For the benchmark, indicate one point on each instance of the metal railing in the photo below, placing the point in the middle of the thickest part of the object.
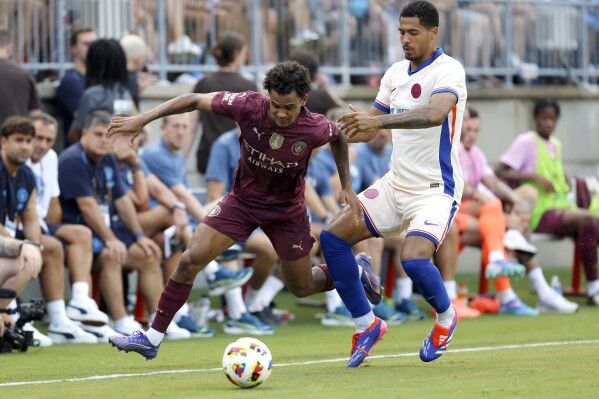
(498, 41)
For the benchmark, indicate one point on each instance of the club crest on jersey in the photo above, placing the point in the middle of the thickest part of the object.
(276, 141)
(416, 90)
(298, 147)
(214, 211)
(371, 193)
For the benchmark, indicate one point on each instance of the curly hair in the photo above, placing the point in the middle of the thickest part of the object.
(307, 59)
(288, 77)
(426, 13)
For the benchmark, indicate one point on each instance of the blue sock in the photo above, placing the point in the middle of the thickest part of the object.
(344, 270)
(428, 280)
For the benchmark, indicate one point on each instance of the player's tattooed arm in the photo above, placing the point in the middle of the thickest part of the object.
(429, 115)
(9, 247)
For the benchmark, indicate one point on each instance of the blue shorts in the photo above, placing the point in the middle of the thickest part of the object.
(120, 231)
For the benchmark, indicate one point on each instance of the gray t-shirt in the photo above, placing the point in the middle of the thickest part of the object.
(115, 100)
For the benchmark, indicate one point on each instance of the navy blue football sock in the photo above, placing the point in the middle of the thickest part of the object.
(428, 280)
(344, 270)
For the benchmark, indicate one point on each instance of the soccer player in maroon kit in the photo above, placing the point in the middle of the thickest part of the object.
(277, 137)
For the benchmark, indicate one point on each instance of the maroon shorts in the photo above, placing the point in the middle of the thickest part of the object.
(552, 222)
(288, 228)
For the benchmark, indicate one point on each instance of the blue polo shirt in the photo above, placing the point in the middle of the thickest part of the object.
(224, 159)
(16, 191)
(68, 95)
(370, 165)
(127, 174)
(168, 167)
(79, 176)
(325, 156)
(318, 176)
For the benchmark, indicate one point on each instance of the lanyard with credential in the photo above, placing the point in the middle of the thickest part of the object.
(93, 171)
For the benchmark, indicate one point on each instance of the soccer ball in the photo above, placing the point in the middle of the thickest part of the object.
(247, 362)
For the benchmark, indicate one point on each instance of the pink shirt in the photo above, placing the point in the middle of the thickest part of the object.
(522, 154)
(474, 165)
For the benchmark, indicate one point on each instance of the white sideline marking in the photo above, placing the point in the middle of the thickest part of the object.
(344, 359)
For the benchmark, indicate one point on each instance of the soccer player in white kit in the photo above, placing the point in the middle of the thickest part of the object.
(422, 99)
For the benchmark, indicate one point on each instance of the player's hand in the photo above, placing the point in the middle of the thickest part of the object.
(545, 184)
(481, 196)
(31, 260)
(117, 251)
(130, 125)
(180, 221)
(126, 154)
(149, 247)
(348, 196)
(359, 121)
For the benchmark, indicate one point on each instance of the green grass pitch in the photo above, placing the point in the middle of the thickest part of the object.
(550, 356)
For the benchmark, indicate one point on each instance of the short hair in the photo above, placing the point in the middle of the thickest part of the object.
(4, 38)
(43, 117)
(97, 118)
(77, 32)
(307, 59)
(426, 13)
(225, 49)
(288, 77)
(133, 46)
(17, 124)
(540, 105)
(473, 113)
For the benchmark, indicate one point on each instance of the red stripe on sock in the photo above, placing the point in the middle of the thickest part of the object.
(329, 285)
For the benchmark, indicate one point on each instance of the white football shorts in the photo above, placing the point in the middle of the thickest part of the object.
(390, 211)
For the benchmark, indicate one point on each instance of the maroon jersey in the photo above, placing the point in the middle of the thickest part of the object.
(273, 160)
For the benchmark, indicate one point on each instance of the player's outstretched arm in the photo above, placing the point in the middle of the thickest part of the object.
(132, 125)
(347, 195)
(432, 114)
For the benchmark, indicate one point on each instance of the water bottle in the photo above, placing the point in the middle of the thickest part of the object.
(463, 294)
(199, 311)
(556, 285)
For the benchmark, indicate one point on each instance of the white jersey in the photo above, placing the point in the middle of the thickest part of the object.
(425, 160)
(46, 177)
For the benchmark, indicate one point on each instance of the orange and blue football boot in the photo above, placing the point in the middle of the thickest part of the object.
(436, 342)
(363, 342)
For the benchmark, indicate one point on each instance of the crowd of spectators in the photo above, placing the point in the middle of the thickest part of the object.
(475, 33)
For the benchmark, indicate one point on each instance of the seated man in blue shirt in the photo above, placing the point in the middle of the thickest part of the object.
(19, 220)
(92, 193)
(165, 159)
